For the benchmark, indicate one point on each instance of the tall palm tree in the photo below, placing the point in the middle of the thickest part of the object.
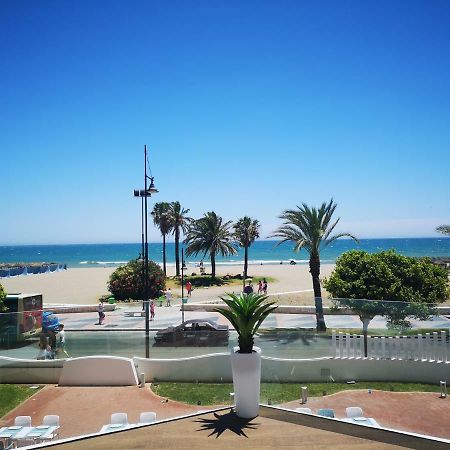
(246, 230)
(444, 229)
(311, 228)
(179, 222)
(160, 215)
(210, 234)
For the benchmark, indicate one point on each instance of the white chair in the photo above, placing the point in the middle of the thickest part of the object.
(147, 417)
(51, 420)
(22, 421)
(353, 411)
(119, 418)
(304, 410)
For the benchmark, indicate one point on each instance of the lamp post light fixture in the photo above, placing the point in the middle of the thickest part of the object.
(183, 268)
(144, 194)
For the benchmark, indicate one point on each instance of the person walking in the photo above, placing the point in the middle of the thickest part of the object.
(101, 314)
(260, 287)
(189, 288)
(168, 294)
(265, 286)
(152, 310)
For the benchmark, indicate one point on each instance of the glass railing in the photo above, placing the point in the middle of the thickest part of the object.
(397, 385)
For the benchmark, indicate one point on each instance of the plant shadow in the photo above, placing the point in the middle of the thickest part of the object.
(229, 421)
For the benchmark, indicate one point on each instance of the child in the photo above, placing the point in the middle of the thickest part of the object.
(152, 310)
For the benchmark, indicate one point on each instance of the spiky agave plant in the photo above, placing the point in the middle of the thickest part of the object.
(246, 313)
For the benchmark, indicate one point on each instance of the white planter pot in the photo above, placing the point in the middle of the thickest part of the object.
(246, 368)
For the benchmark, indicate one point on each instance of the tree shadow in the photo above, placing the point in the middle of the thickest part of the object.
(229, 421)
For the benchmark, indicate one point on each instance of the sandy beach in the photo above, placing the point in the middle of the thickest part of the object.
(84, 286)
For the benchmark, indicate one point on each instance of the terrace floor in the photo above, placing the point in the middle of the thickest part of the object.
(84, 410)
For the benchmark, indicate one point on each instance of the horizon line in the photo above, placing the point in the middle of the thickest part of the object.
(172, 242)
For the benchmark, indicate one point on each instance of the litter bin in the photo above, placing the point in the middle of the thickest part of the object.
(111, 299)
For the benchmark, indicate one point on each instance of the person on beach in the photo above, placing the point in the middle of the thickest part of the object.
(265, 286)
(260, 287)
(152, 310)
(101, 314)
(61, 345)
(189, 288)
(168, 295)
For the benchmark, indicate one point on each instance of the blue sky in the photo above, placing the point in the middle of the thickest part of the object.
(247, 108)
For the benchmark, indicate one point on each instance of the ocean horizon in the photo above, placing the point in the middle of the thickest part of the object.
(261, 252)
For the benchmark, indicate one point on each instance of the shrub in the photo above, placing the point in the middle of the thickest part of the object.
(126, 282)
(416, 282)
(2, 298)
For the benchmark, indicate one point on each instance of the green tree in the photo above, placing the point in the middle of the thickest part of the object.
(310, 229)
(127, 282)
(210, 234)
(161, 219)
(444, 229)
(179, 222)
(246, 312)
(246, 230)
(387, 284)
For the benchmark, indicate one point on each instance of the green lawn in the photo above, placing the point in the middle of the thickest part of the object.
(219, 394)
(12, 395)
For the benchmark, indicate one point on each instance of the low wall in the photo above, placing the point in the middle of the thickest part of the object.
(290, 309)
(14, 370)
(115, 371)
(217, 368)
(98, 371)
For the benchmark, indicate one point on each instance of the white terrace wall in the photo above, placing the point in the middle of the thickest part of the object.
(216, 368)
(14, 370)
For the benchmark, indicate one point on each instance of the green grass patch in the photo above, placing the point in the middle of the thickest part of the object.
(219, 393)
(12, 395)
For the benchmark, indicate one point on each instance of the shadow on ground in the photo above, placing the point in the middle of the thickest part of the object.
(228, 421)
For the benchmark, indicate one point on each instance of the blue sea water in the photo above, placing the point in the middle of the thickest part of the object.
(263, 251)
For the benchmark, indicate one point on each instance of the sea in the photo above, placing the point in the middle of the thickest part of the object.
(261, 252)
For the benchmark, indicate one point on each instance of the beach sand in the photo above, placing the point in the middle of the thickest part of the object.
(84, 286)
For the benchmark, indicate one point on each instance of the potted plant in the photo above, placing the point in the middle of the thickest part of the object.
(246, 312)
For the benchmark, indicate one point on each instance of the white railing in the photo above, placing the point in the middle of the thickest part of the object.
(421, 347)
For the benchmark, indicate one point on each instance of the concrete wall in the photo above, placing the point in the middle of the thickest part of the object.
(216, 368)
(98, 371)
(14, 370)
(110, 371)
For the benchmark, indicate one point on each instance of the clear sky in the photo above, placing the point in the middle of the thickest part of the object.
(248, 108)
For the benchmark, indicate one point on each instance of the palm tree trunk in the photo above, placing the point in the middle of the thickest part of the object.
(314, 269)
(213, 265)
(164, 254)
(177, 251)
(245, 262)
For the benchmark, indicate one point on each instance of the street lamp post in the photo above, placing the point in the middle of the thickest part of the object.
(146, 192)
(183, 268)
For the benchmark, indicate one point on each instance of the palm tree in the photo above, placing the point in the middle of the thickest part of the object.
(311, 229)
(179, 221)
(210, 234)
(246, 230)
(160, 215)
(444, 229)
